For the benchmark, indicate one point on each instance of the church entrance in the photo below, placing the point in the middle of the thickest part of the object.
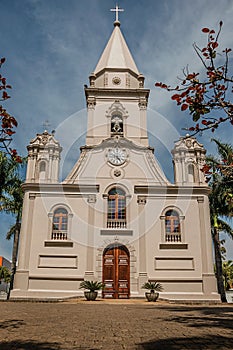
(116, 272)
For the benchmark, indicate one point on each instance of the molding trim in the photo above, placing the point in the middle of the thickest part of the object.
(173, 246)
(58, 244)
(116, 232)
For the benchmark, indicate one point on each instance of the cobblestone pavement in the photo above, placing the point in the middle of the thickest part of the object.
(133, 325)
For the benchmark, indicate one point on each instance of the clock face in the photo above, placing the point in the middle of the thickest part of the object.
(117, 156)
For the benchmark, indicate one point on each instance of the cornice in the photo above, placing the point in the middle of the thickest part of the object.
(99, 92)
(172, 190)
(120, 70)
(121, 142)
(60, 187)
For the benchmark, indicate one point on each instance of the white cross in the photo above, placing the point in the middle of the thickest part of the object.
(117, 10)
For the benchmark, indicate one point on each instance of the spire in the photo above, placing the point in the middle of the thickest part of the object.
(116, 53)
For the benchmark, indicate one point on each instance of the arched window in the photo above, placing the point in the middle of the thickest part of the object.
(116, 208)
(42, 170)
(172, 226)
(190, 173)
(60, 221)
(116, 124)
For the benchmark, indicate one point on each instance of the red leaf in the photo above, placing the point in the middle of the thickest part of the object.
(212, 32)
(13, 152)
(2, 60)
(204, 122)
(215, 45)
(158, 84)
(175, 97)
(9, 132)
(14, 121)
(205, 30)
(190, 76)
(4, 95)
(184, 107)
(192, 128)
(18, 159)
(206, 168)
(189, 100)
(183, 94)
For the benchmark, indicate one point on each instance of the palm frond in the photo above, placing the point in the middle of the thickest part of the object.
(92, 286)
(225, 150)
(223, 226)
(11, 231)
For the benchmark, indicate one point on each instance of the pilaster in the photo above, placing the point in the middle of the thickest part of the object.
(89, 273)
(209, 280)
(142, 237)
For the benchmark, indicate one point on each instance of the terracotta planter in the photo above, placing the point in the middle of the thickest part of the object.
(90, 295)
(151, 296)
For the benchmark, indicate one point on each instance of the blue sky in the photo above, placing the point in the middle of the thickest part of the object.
(52, 46)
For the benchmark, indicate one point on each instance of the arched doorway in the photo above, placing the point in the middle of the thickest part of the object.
(116, 272)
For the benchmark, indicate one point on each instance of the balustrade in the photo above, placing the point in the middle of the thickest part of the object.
(59, 235)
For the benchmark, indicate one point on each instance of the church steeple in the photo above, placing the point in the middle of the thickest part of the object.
(116, 67)
(116, 54)
(116, 98)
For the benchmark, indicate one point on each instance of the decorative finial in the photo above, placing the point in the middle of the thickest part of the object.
(46, 124)
(117, 10)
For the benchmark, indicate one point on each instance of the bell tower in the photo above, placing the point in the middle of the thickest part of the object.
(188, 160)
(43, 159)
(116, 98)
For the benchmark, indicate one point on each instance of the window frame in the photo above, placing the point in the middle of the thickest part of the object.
(116, 208)
(65, 233)
(116, 115)
(172, 237)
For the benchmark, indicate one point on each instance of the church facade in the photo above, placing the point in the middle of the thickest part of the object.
(116, 218)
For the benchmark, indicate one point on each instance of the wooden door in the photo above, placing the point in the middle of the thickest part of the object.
(116, 272)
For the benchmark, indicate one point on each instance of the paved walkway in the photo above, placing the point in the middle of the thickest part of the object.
(100, 325)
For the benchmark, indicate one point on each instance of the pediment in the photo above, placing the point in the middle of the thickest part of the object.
(140, 165)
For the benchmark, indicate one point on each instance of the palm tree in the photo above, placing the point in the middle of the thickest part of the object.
(227, 268)
(221, 171)
(11, 202)
(8, 170)
(5, 274)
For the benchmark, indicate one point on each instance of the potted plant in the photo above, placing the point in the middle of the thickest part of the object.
(93, 287)
(154, 288)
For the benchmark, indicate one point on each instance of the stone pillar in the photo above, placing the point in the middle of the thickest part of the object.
(91, 102)
(209, 280)
(90, 270)
(143, 124)
(22, 272)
